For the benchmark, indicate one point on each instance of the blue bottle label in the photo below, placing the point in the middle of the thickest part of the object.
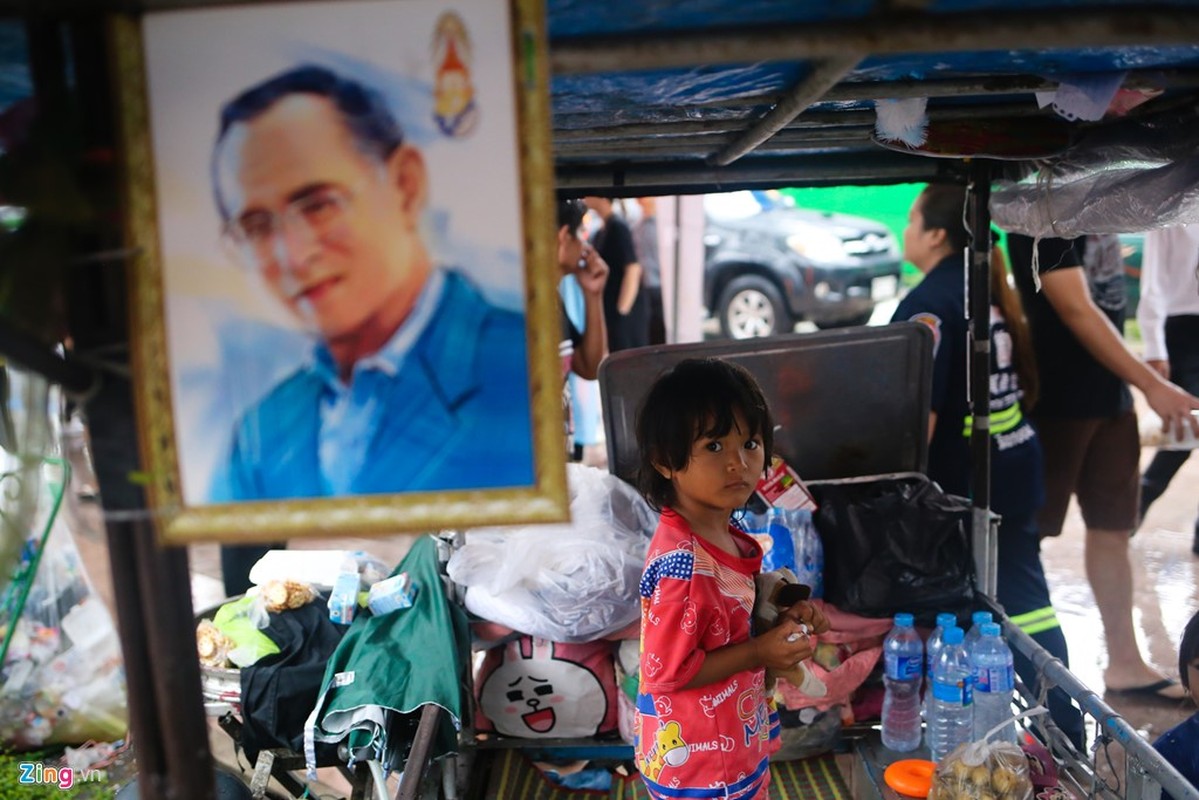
(959, 693)
(901, 667)
(996, 679)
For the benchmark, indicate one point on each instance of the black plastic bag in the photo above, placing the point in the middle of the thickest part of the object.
(894, 544)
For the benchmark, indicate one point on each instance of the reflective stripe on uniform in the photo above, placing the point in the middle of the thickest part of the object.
(1034, 622)
(1002, 421)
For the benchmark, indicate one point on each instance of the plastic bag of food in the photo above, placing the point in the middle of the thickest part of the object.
(985, 770)
(981, 771)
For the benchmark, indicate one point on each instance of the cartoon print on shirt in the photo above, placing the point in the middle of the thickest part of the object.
(709, 703)
(651, 664)
(753, 714)
(534, 693)
(690, 618)
(718, 629)
(668, 750)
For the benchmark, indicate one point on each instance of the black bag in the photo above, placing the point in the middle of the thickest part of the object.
(895, 543)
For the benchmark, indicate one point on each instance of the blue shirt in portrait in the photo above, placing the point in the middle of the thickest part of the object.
(443, 405)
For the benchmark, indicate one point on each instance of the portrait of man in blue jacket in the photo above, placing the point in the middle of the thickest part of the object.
(415, 382)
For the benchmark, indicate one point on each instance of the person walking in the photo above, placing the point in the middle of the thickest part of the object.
(1169, 318)
(1088, 427)
(934, 241)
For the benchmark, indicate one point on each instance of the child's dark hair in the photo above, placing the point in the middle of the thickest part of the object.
(697, 398)
(1188, 649)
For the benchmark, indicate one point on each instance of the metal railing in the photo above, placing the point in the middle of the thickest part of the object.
(1146, 773)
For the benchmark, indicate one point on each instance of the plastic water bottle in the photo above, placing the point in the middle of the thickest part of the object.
(977, 620)
(992, 661)
(932, 649)
(951, 714)
(903, 659)
(782, 544)
(809, 551)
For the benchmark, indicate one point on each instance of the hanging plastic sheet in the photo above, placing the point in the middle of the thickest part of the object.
(61, 680)
(1129, 178)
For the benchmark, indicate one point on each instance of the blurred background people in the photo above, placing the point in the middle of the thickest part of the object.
(1169, 318)
(645, 240)
(934, 240)
(1088, 426)
(625, 311)
(584, 344)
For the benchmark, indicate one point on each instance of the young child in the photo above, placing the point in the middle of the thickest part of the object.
(1180, 744)
(705, 725)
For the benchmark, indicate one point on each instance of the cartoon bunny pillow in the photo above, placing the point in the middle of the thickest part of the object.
(535, 688)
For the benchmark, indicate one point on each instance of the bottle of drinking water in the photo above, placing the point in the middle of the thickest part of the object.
(932, 649)
(992, 660)
(809, 551)
(903, 659)
(951, 714)
(972, 635)
(782, 543)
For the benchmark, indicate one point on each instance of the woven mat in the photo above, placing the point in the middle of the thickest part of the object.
(513, 777)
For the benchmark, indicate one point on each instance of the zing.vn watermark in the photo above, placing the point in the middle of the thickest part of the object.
(62, 777)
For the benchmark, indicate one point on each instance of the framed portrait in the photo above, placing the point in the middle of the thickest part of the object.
(344, 294)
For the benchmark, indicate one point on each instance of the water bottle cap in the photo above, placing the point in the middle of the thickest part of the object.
(990, 629)
(952, 635)
(945, 620)
(981, 617)
(904, 620)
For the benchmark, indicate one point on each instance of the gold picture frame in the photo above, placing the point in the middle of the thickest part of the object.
(468, 85)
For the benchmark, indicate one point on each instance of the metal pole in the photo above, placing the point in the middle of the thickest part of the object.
(110, 418)
(823, 76)
(884, 34)
(1055, 673)
(978, 310)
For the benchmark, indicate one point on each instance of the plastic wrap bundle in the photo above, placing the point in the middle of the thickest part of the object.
(571, 582)
(1135, 176)
(62, 679)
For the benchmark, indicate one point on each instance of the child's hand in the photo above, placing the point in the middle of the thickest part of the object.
(783, 646)
(808, 614)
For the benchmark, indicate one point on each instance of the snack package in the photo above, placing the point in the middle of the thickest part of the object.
(285, 595)
(241, 622)
(211, 645)
(982, 771)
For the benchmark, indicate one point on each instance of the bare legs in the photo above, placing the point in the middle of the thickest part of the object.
(1110, 574)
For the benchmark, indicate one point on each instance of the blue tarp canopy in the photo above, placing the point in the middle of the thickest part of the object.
(695, 96)
(702, 95)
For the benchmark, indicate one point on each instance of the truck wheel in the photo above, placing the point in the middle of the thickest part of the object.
(751, 307)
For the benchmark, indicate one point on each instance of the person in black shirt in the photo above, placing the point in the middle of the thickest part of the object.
(625, 309)
(1088, 427)
(934, 241)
